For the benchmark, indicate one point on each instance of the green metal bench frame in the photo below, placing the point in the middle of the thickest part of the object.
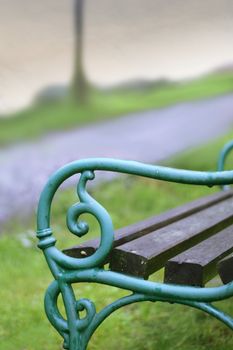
(76, 330)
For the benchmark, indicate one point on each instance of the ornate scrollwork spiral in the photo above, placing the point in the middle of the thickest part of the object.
(88, 205)
(89, 307)
(80, 228)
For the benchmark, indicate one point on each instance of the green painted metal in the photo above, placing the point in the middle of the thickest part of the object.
(75, 330)
(222, 159)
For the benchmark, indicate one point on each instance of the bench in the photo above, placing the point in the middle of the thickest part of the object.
(193, 243)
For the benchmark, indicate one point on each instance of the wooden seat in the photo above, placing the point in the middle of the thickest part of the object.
(188, 241)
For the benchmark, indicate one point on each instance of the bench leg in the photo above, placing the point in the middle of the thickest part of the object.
(77, 331)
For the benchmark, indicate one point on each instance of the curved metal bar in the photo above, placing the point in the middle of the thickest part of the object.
(206, 307)
(135, 298)
(53, 314)
(213, 311)
(159, 290)
(222, 159)
(72, 315)
(126, 167)
(109, 309)
(93, 320)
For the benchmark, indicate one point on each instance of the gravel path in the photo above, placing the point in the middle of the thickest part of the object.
(146, 136)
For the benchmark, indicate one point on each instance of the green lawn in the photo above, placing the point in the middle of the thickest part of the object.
(24, 274)
(42, 119)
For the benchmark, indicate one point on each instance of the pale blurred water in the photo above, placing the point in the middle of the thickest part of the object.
(124, 39)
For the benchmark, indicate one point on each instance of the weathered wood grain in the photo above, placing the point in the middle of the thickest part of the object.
(146, 254)
(197, 265)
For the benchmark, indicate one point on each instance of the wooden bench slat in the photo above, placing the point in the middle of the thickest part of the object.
(145, 255)
(197, 265)
(144, 227)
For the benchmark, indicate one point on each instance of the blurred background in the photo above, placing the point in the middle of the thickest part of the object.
(123, 42)
(74, 63)
(148, 80)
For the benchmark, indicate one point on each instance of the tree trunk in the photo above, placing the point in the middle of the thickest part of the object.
(79, 84)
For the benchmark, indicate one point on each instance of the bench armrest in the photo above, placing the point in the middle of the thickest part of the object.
(87, 204)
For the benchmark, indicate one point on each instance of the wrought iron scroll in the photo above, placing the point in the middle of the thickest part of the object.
(75, 329)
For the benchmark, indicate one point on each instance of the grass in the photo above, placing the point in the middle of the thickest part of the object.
(41, 119)
(24, 274)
